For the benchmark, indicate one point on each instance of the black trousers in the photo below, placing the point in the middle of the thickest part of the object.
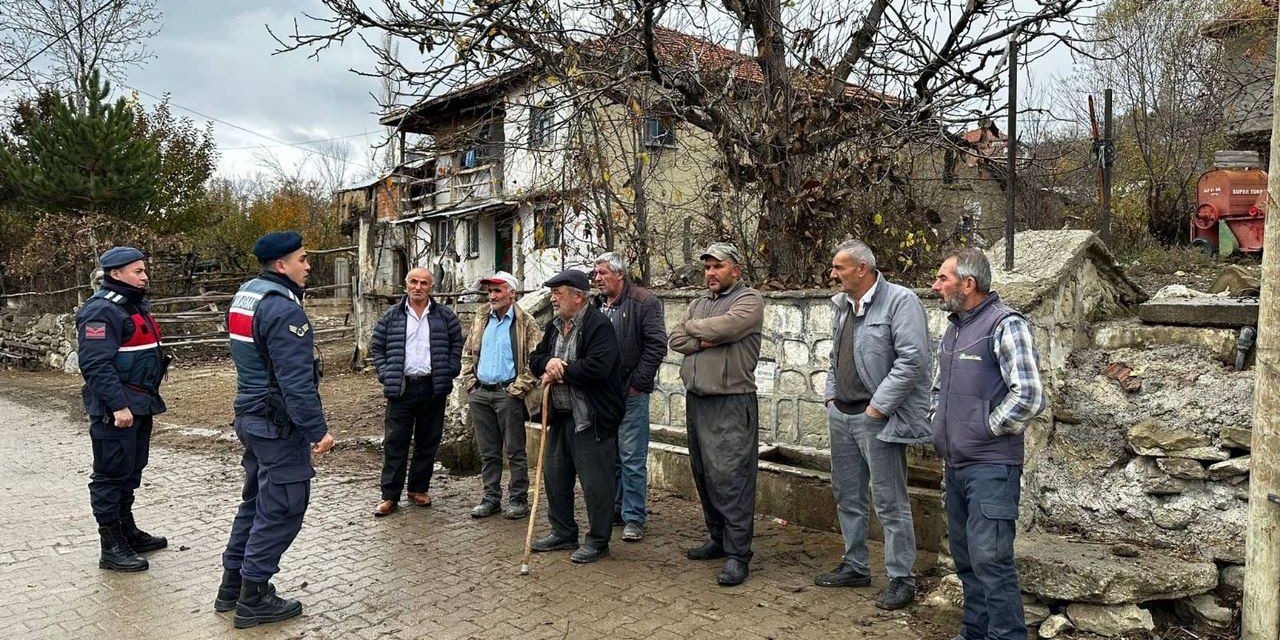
(724, 450)
(417, 416)
(119, 456)
(580, 455)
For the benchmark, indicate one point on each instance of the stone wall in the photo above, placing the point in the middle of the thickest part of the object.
(46, 341)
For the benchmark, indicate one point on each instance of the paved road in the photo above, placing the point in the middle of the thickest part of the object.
(421, 573)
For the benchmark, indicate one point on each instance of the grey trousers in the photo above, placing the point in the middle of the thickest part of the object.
(498, 419)
(858, 458)
(724, 439)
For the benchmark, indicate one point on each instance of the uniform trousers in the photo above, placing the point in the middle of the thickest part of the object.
(119, 456)
(277, 489)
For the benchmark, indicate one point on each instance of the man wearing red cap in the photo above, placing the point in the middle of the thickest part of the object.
(501, 392)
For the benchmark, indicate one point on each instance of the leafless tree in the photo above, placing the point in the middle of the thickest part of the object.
(56, 42)
(808, 105)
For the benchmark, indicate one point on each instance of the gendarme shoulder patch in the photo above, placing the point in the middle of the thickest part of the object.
(300, 331)
(95, 331)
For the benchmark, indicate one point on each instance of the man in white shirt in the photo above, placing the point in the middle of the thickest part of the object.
(417, 350)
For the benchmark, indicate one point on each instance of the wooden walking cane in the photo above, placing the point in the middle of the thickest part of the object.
(537, 481)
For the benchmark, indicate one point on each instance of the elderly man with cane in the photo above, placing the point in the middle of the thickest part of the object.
(579, 356)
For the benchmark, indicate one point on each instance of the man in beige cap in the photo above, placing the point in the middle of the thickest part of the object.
(720, 340)
(501, 393)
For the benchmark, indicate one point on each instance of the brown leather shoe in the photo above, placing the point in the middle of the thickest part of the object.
(386, 507)
(420, 499)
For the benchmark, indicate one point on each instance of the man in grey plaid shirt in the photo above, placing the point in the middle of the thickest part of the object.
(987, 391)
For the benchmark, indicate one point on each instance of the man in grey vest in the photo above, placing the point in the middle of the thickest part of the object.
(720, 339)
(877, 400)
(988, 390)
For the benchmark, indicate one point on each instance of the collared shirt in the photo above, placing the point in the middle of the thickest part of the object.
(497, 357)
(1016, 355)
(563, 398)
(417, 341)
(1015, 351)
(860, 309)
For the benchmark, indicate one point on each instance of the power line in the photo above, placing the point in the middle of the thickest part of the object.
(278, 142)
(300, 142)
(57, 39)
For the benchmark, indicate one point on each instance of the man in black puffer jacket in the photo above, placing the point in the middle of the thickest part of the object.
(417, 350)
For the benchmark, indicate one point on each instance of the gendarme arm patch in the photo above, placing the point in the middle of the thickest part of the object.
(300, 331)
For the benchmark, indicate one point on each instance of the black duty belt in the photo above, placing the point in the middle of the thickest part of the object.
(418, 379)
(496, 386)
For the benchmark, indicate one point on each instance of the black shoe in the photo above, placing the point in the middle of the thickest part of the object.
(516, 510)
(228, 591)
(117, 555)
(708, 551)
(485, 509)
(587, 555)
(900, 593)
(734, 573)
(259, 604)
(843, 576)
(140, 541)
(552, 542)
(633, 532)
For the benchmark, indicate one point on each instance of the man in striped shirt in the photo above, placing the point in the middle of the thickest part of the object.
(987, 391)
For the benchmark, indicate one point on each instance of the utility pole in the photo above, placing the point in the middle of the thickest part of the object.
(1011, 146)
(1260, 618)
(1108, 148)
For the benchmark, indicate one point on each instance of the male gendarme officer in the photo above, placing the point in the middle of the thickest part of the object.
(122, 363)
(280, 422)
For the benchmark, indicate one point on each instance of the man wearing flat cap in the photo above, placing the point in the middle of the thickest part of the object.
(720, 340)
(122, 362)
(501, 391)
(579, 355)
(279, 420)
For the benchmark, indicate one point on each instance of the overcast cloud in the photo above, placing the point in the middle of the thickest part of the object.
(216, 58)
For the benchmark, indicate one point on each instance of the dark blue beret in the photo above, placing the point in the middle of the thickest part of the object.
(572, 277)
(277, 244)
(117, 257)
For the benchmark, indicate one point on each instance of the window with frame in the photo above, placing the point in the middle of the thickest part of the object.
(540, 121)
(659, 131)
(441, 238)
(547, 225)
(473, 239)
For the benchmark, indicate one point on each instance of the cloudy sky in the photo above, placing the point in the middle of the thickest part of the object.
(216, 62)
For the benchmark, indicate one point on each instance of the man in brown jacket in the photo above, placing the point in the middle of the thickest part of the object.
(720, 340)
(500, 392)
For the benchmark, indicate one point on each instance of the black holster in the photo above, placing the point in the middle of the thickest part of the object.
(279, 416)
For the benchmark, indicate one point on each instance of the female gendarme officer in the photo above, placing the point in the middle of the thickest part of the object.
(122, 362)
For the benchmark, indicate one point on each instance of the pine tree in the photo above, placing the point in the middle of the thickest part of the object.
(85, 158)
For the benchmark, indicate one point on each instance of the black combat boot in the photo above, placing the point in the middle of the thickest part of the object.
(117, 555)
(259, 604)
(228, 591)
(140, 540)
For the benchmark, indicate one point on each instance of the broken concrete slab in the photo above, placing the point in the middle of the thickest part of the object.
(1201, 312)
(1055, 568)
(1132, 333)
(1110, 620)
